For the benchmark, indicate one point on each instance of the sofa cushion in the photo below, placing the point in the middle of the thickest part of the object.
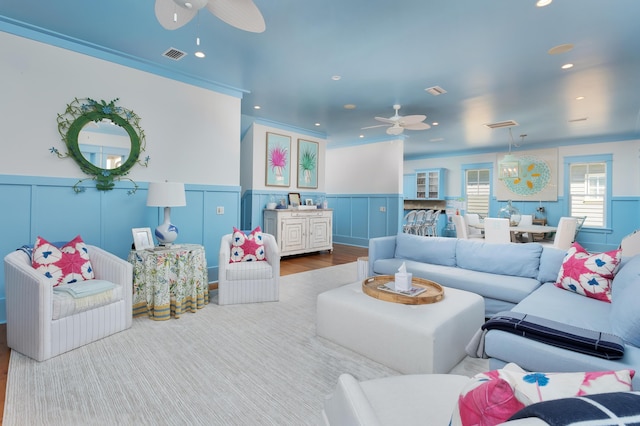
(587, 274)
(550, 262)
(625, 293)
(434, 250)
(247, 248)
(64, 265)
(500, 287)
(518, 260)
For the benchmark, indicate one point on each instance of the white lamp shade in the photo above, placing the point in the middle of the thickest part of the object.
(166, 194)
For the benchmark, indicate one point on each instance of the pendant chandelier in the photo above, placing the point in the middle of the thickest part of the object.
(509, 166)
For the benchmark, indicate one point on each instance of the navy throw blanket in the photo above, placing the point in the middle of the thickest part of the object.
(602, 345)
(603, 409)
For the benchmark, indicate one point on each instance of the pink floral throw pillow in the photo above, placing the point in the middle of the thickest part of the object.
(64, 265)
(492, 397)
(247, 248)
(587, 274)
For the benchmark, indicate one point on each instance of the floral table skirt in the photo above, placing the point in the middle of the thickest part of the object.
(169, 282)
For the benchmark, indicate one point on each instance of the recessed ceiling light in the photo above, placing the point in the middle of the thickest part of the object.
(567, 66)
(199, 54)
(257, 107)
(336, 77)
(361, 136)
(561, 48)
(349, 106)
(435, 123)
(579, 98)
(317, 124)
(543, 3)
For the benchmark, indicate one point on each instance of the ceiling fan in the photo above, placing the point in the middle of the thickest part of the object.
(242, 14)
(398, 123)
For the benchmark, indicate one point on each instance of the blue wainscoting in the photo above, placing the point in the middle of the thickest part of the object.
(359, 217)
(356, 217)
(49, 207)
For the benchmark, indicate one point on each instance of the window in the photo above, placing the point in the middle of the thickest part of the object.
(589, 189)
(478, 191)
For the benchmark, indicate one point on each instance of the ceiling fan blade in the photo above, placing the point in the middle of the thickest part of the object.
(412, 119)
(417, 126)
(242, 14)
(373, 127)
(167, 9)
(386, 120)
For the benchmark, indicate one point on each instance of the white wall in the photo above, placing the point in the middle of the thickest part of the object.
(192, 134)
(374, 168)
(625, 177)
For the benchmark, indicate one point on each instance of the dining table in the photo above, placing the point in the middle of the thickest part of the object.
(522, 229)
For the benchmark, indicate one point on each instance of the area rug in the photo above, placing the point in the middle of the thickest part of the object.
(249, 364)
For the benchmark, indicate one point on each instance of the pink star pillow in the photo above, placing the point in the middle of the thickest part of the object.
(247, 248)
(587, 274)
(64, 265)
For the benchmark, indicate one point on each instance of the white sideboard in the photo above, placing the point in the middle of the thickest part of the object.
(300, 231)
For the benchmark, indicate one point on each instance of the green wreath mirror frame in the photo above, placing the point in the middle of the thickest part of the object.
(83, 111)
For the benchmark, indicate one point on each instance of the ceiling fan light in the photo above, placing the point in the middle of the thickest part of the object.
(394, 130)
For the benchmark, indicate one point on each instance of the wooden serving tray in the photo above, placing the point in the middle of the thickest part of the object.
(433, 294)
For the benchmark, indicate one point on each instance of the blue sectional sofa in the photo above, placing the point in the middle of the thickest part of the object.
(520, 278)
(503, 274)
(621, 317)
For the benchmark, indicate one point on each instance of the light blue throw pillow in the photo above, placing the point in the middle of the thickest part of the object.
(518, 260)
(550, 263)
(434, 250)
(625, 293)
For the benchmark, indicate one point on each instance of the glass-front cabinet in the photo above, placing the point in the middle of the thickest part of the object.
(430, 184)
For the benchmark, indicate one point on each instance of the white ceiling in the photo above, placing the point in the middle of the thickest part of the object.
(490, 56)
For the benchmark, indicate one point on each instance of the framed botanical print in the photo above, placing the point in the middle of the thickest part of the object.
(307, 164)
(278, 163)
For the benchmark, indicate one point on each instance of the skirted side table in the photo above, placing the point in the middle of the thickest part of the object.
(169, 281)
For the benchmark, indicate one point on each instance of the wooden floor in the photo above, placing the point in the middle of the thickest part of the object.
(289, 265)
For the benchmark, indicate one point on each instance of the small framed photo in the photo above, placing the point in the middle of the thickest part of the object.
(294, 199)
(142, 238)
(308, 202)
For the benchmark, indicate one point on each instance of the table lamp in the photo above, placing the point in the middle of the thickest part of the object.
(167, 195)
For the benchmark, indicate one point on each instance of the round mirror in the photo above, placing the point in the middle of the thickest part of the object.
(104, 139)
(104, 144)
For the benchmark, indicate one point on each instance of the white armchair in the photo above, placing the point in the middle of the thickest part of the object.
(42, 325)
(249, 282)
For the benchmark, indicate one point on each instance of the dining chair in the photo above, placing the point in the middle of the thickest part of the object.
(473, 219)
(409, 220)
(418, 223)
(630, 245)
(496, 230)
(565, 233)
(525, 219)
(461, 227)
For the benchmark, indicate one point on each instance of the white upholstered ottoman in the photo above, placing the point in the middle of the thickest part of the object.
(411, 339)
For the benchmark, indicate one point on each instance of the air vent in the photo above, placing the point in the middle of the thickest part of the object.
(575, 120)
(175, 54)
(501, 124)
(435, 90)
